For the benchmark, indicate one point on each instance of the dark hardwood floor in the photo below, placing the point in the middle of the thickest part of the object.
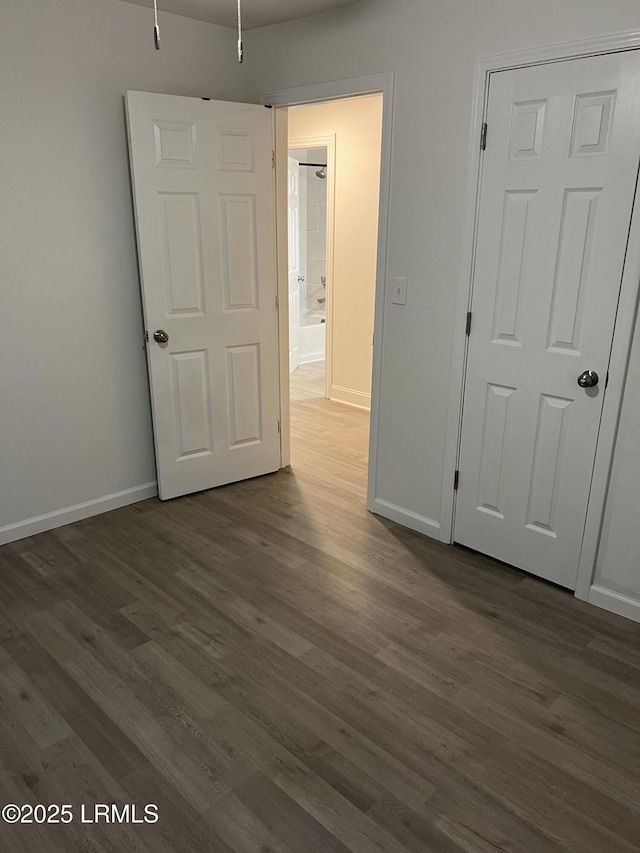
(278, 670)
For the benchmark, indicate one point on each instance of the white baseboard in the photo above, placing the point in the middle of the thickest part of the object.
(407, 518)
(616, 602)
(352, 398)
(310, 357)
(40, 523)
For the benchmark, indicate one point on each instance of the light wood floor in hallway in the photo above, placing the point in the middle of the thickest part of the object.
(281, 672)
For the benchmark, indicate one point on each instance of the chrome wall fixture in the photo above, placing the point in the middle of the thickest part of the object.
(322, 171)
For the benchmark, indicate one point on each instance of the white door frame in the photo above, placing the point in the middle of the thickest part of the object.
(624, 326)
(328, 142)
(336, 90)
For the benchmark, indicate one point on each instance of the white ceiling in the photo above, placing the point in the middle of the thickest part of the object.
(255, 13)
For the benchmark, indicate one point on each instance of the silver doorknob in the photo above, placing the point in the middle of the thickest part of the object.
(160, 336)
(300, 278)
(588, 379)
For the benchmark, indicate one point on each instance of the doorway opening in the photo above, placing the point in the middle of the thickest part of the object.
(308, 219)
(333, 184)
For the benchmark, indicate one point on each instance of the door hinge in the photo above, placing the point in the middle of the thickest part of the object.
(277, 303)
(273, 159)
(146, 336)
(483, 136)
(456, 480)
(606, 381)
(468, 327)
(278, 427)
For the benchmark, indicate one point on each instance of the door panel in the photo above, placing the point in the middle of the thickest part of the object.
(239, 251)
(192, 404)
(557, 191)
(204, 197)
(497, 422)
(182, 239)
(244, 380)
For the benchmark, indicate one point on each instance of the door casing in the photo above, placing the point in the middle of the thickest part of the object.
(627, 305)
(319, 93)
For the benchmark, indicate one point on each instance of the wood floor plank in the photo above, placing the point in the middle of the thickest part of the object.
(415, 829)
(290, 821)
(166, 746)
(281, 671)
(243, 830)
(180, 827)
(24, 703)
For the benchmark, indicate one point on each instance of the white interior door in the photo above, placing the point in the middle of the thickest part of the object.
(294, 262)
(557, 189)
(204, 198)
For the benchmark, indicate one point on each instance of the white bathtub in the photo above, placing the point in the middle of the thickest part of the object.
(312, 338)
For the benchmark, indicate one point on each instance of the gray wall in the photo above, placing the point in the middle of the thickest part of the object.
(431, 47)
(74, 404)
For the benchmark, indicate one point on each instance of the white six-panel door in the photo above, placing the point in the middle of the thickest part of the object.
(293, 220)
(557, 189)
(204, 198)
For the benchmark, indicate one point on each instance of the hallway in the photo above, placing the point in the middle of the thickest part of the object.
(329, 441)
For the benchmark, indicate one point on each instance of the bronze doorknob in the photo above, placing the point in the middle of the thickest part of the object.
(588, 379)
